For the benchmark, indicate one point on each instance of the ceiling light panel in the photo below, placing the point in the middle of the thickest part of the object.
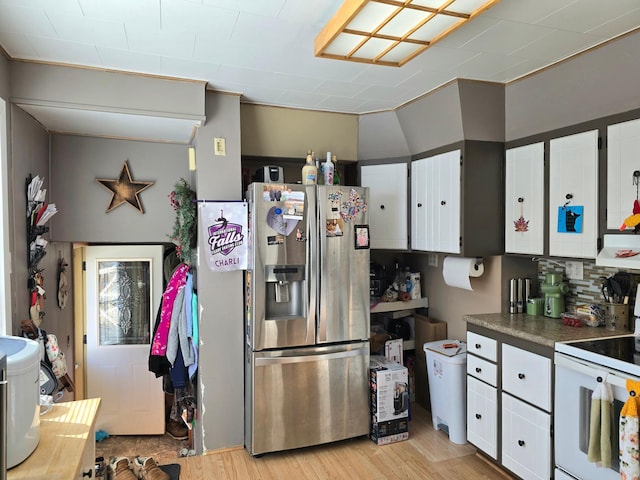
(375, 31)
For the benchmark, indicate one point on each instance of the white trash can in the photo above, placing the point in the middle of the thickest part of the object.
(447, 372)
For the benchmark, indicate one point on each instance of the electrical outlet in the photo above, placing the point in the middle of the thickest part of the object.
(432, 260)
(574, 271)
(220, 147)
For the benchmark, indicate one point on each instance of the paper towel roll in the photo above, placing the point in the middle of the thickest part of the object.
(457, 271)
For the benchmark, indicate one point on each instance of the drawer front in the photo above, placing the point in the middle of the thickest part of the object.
(527, 375)
(526, 439)
(482, 346)
(482, 369)
(482, 416)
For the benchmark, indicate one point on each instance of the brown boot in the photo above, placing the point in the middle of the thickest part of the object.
(121, 469)
(177, 430)
(147, 469)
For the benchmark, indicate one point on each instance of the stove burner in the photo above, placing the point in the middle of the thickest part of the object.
(625, 349)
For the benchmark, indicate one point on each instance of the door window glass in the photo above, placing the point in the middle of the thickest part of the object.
(124, 299)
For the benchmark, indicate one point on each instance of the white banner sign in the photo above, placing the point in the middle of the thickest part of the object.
(225, 231)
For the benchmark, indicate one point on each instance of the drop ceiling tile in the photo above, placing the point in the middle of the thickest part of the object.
(74, 28)
(270, 8)
(178, 67)
(339, 88)
(140, 12)
(337, 103)
(181, 16)
(440, 57)
(160, 42)
(587, 15)
(243, 76)
(17, 45)
(557, 45)
(465, 34)
(127, 60)
(292, 82)
(301, 99)
(487, 64)
(53, 49)
(377, 92)
(263, 30)
(525, 11)
(623, 23)
(29, 21)
(297, 11)
(506, 37)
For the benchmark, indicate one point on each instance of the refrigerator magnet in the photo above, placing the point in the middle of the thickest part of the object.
(335, 227)
(361, 237)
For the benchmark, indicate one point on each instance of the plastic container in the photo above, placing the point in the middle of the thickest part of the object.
(23, 405)
(447, 373)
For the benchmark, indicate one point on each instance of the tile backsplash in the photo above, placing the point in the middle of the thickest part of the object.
(588, 289)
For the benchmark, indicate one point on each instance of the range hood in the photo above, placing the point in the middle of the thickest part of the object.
(616, 246)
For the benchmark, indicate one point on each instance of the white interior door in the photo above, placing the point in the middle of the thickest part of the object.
(123, 290)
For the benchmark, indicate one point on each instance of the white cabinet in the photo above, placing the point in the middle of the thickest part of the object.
(524, 199)
(482, 416)
(527, 375)
(509, 403)
(457, 200)
(482, 393)
(387, 204)
(573, 195)
(526, 439)
(435, 203)
(623, 152)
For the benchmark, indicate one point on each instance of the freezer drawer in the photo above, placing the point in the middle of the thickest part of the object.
(307, 396)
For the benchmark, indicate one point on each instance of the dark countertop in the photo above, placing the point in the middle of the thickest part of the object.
(538, 329)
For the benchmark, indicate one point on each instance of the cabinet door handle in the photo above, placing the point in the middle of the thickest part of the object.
(419, 205)
(521, 443)
(478, 369)
(478, 346)
(442, 202)
(478, 416)
(381, 207)
(88, 473)
(521, 376)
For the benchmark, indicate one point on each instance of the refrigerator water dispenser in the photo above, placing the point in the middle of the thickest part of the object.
(284, 291)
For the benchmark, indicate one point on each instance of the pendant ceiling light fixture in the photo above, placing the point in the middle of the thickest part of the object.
(392, 32)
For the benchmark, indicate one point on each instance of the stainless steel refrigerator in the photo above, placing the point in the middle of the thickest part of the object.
(307, 316)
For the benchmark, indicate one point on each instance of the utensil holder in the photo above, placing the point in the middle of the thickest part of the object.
(616, 316)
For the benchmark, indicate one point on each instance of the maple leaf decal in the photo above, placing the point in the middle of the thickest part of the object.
(521, 224)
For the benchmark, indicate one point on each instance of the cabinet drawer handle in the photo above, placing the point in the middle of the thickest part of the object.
(478, 369)
(521, 443)
(419, 205)
(478, 416)
(478, 346)
(521, 376)
(381, 207)
(442, 202)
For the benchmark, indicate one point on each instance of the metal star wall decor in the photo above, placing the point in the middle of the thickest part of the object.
(124, 189)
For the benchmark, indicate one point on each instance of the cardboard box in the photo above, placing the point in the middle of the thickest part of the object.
(389, 387)
(383, 433)
(427, 330)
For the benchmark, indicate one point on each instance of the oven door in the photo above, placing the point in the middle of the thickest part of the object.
(575, 381)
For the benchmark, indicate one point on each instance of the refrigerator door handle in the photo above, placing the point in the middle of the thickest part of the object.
(264, 361)
(312, 262)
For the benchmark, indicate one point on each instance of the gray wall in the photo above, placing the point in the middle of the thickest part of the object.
(4, 77)
(221, 361)
(82, 201)
(596, 84)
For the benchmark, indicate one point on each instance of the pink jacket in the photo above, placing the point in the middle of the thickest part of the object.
(177, 281)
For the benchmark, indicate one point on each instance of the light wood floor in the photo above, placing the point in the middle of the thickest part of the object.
(427, 455)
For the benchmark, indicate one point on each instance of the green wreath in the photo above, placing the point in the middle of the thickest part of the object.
(184, 234)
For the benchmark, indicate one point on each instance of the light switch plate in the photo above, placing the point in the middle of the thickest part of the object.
(574, 270)
(219, 146)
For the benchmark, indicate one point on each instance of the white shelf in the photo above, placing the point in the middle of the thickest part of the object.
(383, 307)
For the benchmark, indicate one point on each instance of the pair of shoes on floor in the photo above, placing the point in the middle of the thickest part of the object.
(140, 468)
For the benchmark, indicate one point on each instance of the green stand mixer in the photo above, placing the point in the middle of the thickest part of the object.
(554, 290)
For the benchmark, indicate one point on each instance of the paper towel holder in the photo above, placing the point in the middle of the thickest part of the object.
(478, 264)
